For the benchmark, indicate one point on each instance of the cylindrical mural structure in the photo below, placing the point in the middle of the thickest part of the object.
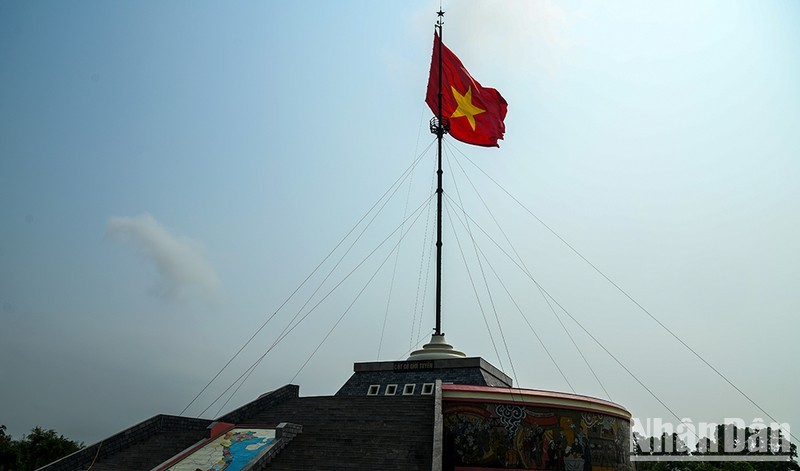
(505, 428)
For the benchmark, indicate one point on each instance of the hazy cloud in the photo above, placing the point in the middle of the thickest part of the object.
(531, 35)
(181, 263)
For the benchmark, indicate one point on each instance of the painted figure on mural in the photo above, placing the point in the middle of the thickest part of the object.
(531, 447)
(587, 455)
(555, 453)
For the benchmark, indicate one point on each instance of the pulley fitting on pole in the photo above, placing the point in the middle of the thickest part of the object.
(440, 128)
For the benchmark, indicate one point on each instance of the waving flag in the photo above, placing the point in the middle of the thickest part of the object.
(476, 113)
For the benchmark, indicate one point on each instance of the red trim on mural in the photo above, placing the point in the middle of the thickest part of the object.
(533, 404)
(529, 392)
(218, 428)
(466, 409)
(471, 468)
(553, 420)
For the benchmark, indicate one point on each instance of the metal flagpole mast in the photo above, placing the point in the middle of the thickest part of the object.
(437, 348)
(440, 130)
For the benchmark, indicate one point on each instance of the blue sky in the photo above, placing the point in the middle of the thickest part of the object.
(170, 172)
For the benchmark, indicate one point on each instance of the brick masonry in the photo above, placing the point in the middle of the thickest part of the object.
(144, 443)
(155, 440)
(350, 430)
(265, 401)
(471, 371)
(345, 432)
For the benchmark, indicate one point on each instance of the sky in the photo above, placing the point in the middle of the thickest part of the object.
(171, 173)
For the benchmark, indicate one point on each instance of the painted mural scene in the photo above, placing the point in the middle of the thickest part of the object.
(234, 236)
(232, 451)
(519, 437)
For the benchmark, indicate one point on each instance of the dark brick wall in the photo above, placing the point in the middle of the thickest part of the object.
(172, 432)
(266, 401)
(492, 380)
(338, 433)
(346, 433)
(284, 433)
(359, 383)
(150, 452)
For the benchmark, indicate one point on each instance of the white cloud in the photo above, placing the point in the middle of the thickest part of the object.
(182, 265)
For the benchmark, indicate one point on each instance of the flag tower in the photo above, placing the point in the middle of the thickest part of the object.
(472, 114)
(438, 348)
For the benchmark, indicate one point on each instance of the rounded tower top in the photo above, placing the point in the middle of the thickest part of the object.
(436, 349)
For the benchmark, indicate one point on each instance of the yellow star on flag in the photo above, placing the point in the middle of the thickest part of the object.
(465, 106)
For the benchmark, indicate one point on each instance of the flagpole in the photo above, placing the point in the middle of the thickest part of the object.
(438, 348)
(468, 99)
(440, 130)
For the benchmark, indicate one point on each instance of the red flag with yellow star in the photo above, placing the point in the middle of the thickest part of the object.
(476, 113)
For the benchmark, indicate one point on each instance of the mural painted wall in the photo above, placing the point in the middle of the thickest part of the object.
(509, 436)
(231, 451)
